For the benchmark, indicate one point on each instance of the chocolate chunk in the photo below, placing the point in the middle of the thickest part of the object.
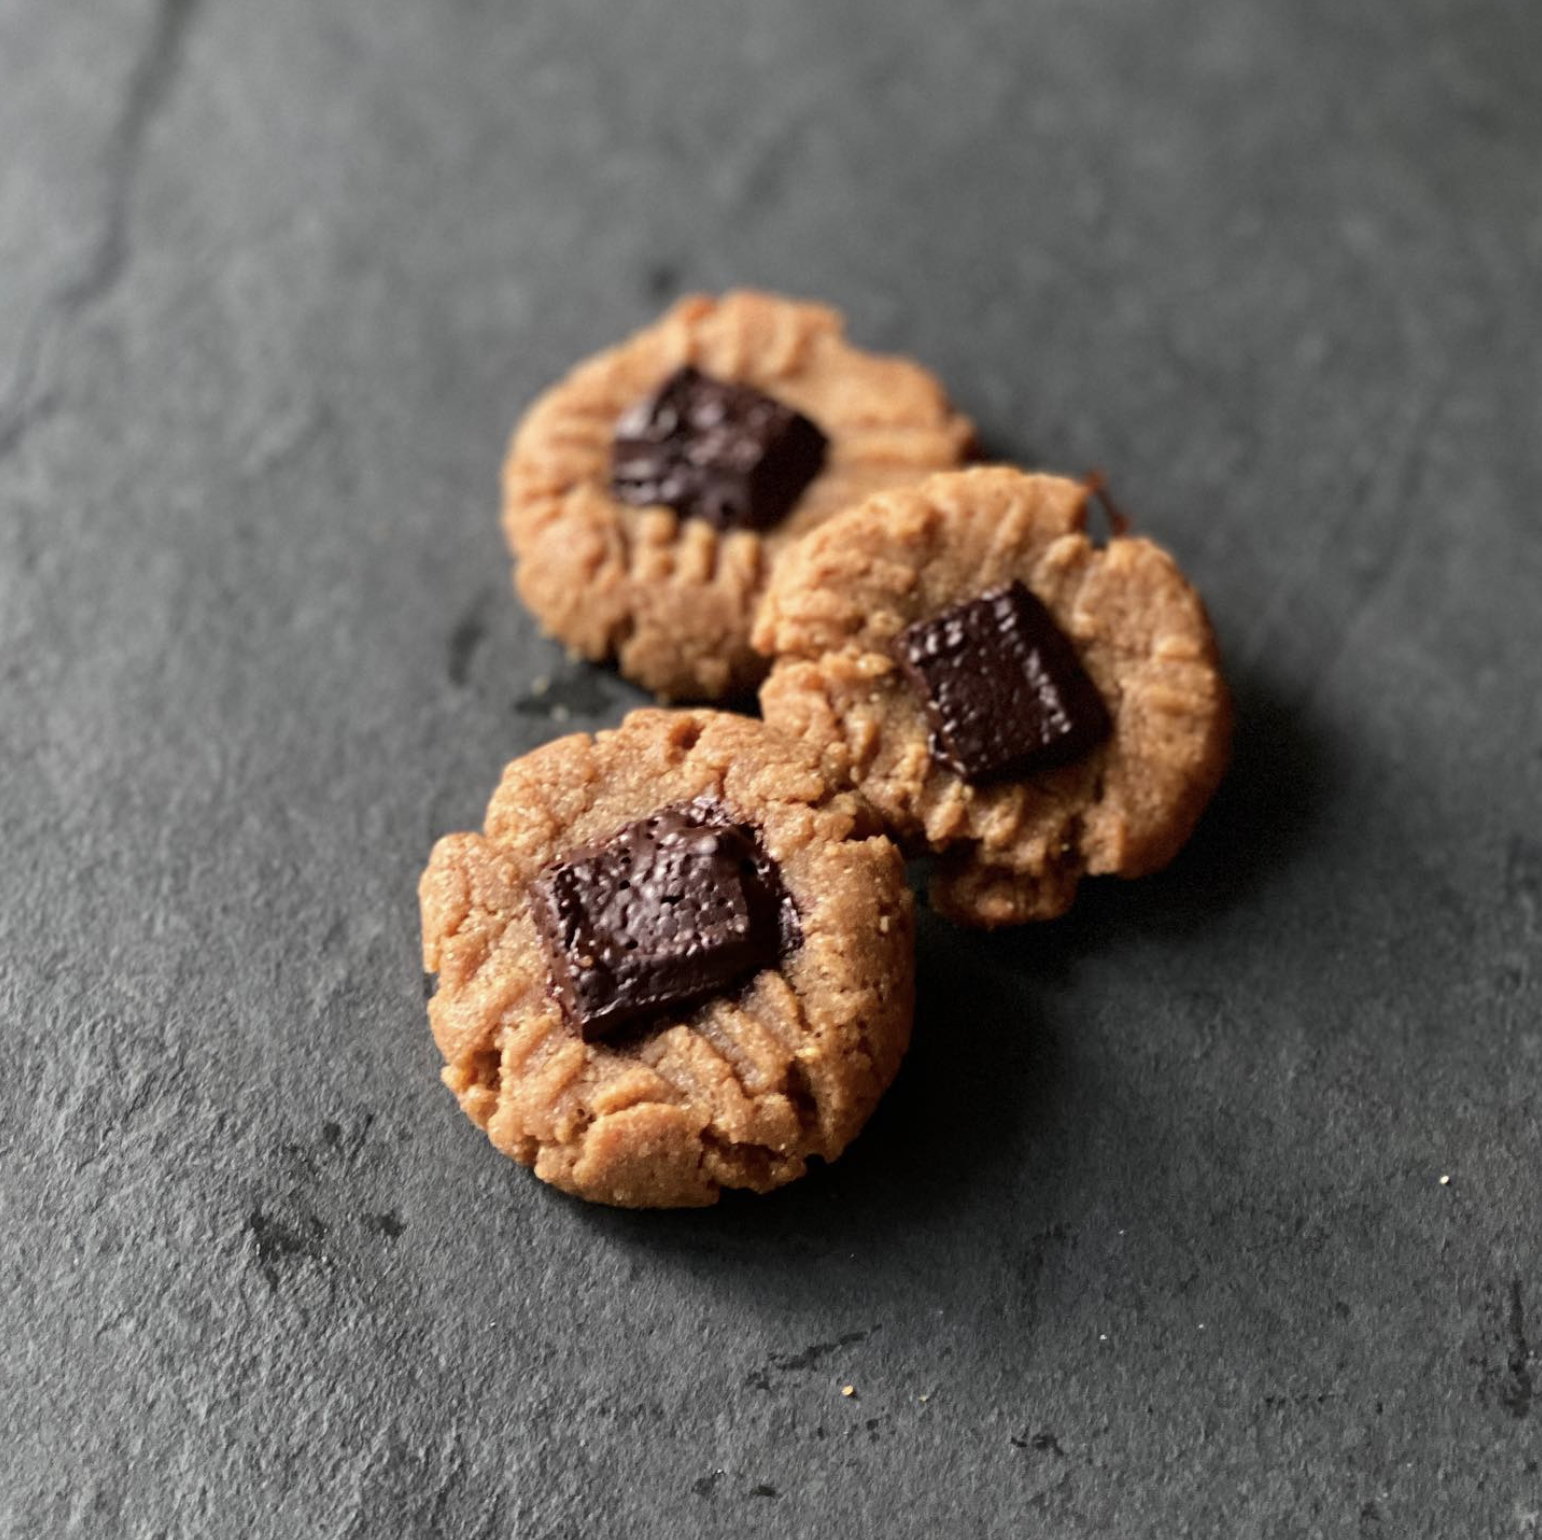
(665, 912)
(714, 450)
(1004, 692)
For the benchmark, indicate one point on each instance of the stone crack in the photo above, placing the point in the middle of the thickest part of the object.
(149, 88)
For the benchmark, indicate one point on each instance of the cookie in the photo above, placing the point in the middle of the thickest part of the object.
(1013, 698)
(647, 496)
(675, 961)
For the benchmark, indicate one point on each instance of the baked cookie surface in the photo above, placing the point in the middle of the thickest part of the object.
(670, 595)
(847, 619)
(799, 1017)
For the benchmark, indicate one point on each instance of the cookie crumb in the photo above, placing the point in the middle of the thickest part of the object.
(540, 685)
(560, 713)
(883, 925)
(848, 1391)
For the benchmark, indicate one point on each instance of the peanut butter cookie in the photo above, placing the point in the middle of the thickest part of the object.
(648, 494)
(674, 961)
(1024, 704)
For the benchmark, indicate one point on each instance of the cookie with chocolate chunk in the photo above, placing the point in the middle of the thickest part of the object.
(674, 961)
(1022, 703)
(647, 496)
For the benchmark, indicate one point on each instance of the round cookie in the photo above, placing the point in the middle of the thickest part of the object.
(741, 1085)
(859, 611)
(669, 597)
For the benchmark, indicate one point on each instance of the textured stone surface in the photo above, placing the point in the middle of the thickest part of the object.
(1150, 1238)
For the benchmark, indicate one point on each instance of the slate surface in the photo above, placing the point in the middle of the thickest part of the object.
(1151, 1238)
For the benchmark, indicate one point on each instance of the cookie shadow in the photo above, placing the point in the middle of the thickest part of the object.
(570, 693)
(1284, 776)
(573, 694)
(962, 1117)
(976, 1110)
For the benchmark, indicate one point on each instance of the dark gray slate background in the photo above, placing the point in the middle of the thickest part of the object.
(1151, 1238)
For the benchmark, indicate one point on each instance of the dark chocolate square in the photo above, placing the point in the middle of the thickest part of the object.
(667, 911)
(1004, 692)
(713, 450)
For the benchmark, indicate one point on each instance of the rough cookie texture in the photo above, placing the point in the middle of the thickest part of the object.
(739, 1091)
(1015, 850)
(671, 599)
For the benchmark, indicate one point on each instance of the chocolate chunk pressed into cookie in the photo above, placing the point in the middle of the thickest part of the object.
(668, 910)
(1022, 703)
(675, 960)
(648, 495)
(726, 454)
(1002, 688)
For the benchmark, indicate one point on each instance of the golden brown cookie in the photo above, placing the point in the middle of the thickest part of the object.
(684, 853)
(671, 597)
(860, 611)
